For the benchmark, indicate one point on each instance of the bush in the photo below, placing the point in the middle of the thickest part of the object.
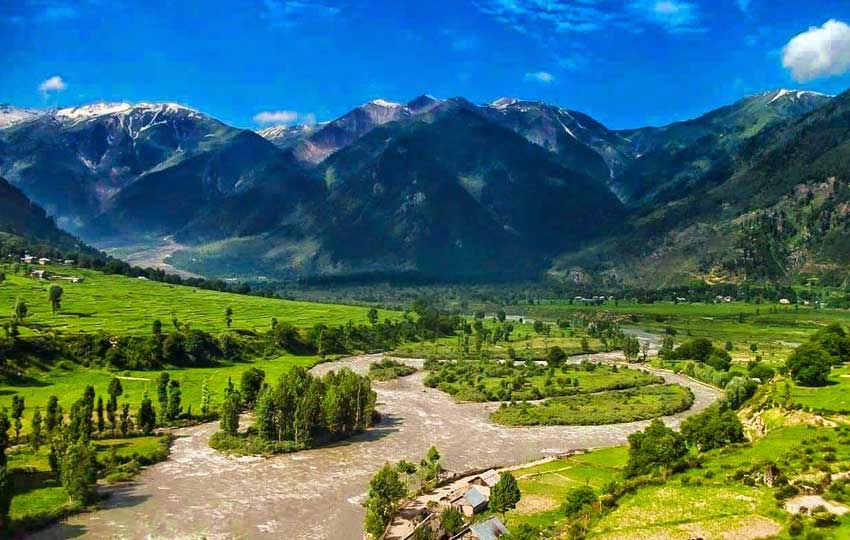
(577, 499)
(809, 365)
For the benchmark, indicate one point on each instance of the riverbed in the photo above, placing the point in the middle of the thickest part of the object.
(316, 494)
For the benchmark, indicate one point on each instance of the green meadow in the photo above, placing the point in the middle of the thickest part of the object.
(127, 306)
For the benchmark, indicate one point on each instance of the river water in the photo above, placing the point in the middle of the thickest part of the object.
(316, 494)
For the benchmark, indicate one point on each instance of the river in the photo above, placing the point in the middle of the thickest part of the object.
(316, 494)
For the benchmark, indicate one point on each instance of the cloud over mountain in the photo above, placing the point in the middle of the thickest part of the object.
(819, 52)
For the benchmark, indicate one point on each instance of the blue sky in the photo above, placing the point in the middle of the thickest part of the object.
(627, 63)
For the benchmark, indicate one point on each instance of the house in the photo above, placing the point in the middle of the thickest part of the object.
(44, 260)
(472, 501)
(69, 261)
(27, 259)
(39, 274)
(486, 479)
(784, 301)
(489, 529)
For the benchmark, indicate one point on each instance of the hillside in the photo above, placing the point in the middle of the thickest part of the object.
(446, 189)
(26, 226)
(779, 210)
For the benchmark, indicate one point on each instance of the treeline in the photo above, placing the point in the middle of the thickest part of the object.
(181, 345)
(297, 411)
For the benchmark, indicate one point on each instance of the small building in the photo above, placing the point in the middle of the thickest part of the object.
(44, 260)
(784, 301)
(39, 274)
(69, 261)
(27, 259)
(489, 529)
(473, 501)
(486, 479)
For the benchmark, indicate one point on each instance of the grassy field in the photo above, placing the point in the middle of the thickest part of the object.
(543, 487)
(126, 306)
(39, 496)
(721, 499)
(602, 408)
(524, 341)
(489, 381)
(775, 329)
(833, 398)
(68, 384)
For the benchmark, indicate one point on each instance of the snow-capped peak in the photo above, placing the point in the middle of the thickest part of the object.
(503, 102)
(384, 103)
(791, 94)
(10, 115)
(94, 110)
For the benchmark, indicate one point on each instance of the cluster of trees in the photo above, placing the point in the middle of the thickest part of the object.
(300, 407)
(811, 362)
(392, 483)
(658, 447)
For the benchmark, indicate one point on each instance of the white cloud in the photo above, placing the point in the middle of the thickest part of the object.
(676, 16)
(53, 84)
(284, 117)
(819, 52)
(540, 76)
(540, 17)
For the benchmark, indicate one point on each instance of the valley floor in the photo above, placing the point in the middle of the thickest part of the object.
(316, 494)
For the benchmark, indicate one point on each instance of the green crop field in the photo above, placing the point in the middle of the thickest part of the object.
(125, 306)
(611, 407)
(68, 384)
(775, 329)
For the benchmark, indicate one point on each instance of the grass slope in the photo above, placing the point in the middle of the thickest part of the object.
(122, 305)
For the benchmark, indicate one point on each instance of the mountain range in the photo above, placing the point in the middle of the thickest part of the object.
(450, 189)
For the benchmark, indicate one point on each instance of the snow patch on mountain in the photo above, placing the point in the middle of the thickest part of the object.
(10, 115)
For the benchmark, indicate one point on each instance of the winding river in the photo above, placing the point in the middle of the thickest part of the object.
(316, 494)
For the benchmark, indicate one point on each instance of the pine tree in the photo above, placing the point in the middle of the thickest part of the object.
(79, 472)
(17, 414)
(229, 422)
(162, 394)
(126, 420)
(37, 436)
(146, 417)
(101, 424)
(205, 399)
(505, 494)
(174, 397)
(53, 416)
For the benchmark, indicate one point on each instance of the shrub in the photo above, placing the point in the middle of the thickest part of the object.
(809, 365)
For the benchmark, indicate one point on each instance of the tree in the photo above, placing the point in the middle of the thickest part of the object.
(251, 384)
(229, 421)
(101, 424)
(585, 344)
(79, 472)
(228, 316)
(713, 428)
(631, 348)
(55, 295)
(146, 416)
(738, 390)
(205, 398)
(162, 393)
(385, 491)
(114, 391)
(174, 408)
(431, 464)
(556, 356)
(809, 365)
(451, 520)
(373, 316)
(17, 414)
(4, 435)
(126, 425)
(656, 446)
(20, 311)
(53, 416)
(5, 497)
(37, 436)
(578, 499)
(505, 494)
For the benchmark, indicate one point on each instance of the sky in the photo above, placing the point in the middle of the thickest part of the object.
(627, 63)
